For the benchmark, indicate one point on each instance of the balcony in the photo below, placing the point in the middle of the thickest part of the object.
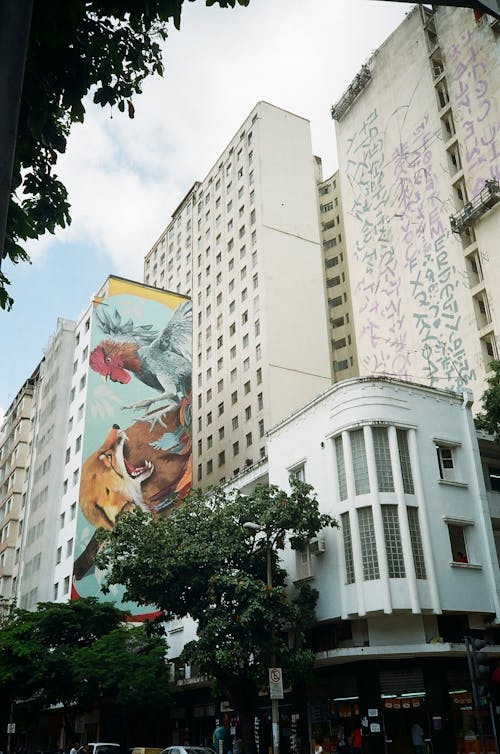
(478, 206)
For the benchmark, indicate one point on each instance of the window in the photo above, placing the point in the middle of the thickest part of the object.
(234, 422)
(72, 512)
(69, 548)
(55, 592)
(209, 417)
(210, 466)
(404, 461)
(246, 364)
(339, 449)
(260, 402)
(303, 561)
(248, 438)
(446, 463)
(383, 459)
(234, 397)
(58, 555)
(416, 543)
(222, 458)
(62, 518)
(66, 584)
(259, 376)
(68, 455)
(246, 387)
(210, 440)
(233, 375)
(393, 546)
(245, 341)
(220, 408)
(359, 463)
(78, 443)
(348, 557)
(494, 477)
(458, 543)
(236, 448)
(299, 473)
(261, 428)
(248, 413)
(368, 544)
(244, 318)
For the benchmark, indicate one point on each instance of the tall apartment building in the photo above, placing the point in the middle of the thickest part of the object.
(418, 134)
(15, 454)
(77, 447)
(342, 338)
(45, 480)
(245, 245)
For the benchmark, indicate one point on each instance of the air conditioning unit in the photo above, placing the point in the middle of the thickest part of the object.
(317, 545)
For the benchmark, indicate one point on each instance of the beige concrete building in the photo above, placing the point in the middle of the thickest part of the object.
(418, 135)
(15, 450)
(342, 339)
(245, 245)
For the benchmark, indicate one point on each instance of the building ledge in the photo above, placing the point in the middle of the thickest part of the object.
(450, 483)
(395, 651)
(469, 566)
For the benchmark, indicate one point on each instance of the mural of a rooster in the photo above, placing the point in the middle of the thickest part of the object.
(162, 362)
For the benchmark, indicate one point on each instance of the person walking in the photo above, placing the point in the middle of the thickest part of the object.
(417, 738)
(356, 741)
(221, 737)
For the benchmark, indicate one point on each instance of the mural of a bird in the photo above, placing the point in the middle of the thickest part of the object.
(163, 362)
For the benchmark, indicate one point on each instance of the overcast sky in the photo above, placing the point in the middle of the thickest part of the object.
(126, 176)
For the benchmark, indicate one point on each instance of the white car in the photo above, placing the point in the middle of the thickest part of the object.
(188, 750)
(102, 748)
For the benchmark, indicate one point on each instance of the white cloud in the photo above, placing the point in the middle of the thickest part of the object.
(125, 177)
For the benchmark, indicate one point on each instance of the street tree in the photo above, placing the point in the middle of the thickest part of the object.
(105, 48)
(489, 418)
(79, 654)
(202, 561)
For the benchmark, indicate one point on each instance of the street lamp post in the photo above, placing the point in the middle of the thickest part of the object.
(256, 529)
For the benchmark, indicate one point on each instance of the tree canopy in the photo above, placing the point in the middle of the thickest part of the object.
(202, 562)
(80, 653)
(103, 47)
(489, 419)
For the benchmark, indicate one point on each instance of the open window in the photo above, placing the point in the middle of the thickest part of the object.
(458, 543)
(446, 463)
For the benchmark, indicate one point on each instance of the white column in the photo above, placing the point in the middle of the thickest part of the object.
(356, 542)
(338, 536)
(424, 522)
(378, 523)
(404, 526)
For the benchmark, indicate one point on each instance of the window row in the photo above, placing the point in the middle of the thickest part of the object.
(392, 543)
(383, 463)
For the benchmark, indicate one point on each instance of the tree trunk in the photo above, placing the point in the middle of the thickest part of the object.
(15, 20)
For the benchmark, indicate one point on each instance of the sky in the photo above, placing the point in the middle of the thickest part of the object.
(125, 177)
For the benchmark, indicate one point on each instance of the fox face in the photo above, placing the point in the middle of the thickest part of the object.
(110, 486)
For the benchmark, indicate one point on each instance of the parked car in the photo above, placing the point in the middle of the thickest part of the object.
(145, 750)
(188, 750)
(102, 748)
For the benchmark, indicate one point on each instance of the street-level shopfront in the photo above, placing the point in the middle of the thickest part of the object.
(387, 698)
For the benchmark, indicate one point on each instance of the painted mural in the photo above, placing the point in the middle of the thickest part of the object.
(137, 433)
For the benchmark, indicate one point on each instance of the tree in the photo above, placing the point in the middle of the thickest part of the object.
(201, 561)
(107, 47)
(489, 419)
(79, 654)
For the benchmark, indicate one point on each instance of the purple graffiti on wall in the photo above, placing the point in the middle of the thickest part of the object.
(378, 291)
(474, 114)
(432, 278)
(414, 268)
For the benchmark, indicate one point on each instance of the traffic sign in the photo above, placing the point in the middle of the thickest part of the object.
(275, 683)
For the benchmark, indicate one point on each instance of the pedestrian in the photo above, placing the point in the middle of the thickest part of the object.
(341, 742)
(75, 747)
(355, 740)
(417, 738)
(221, 737)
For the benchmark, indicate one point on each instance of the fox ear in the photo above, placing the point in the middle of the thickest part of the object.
(104, 458)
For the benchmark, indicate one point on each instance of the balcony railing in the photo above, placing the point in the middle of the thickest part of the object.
(478, 206)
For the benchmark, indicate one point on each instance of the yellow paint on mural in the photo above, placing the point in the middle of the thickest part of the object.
(117, 286)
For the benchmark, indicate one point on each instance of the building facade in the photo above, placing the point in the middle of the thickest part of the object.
(419, 160)
(15, 452)
(341, 334)
(412, 567)
(245, 245)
